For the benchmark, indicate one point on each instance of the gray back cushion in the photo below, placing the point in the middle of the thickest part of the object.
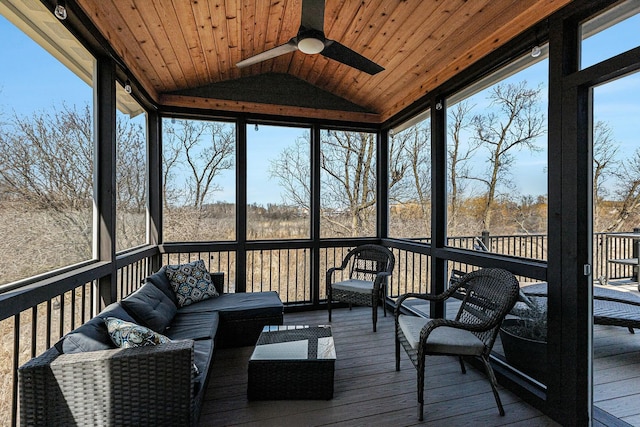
(161, 281)
(93, 335)
(150, 307)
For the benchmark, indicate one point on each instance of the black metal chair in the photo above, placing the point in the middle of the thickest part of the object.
(487, 297)
(369, 267)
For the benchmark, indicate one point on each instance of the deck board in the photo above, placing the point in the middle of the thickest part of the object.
(369, 392)
(616, 367)
(367, 389)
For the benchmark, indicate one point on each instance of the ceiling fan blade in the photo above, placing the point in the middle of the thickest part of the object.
(313, 14)
(289, 46)
(341, 53)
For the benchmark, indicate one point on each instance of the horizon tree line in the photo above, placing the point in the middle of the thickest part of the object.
(47, 162)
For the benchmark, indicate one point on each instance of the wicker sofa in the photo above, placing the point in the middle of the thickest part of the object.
(86, 380)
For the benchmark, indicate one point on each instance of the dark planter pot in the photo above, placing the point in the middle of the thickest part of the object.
(527, 355)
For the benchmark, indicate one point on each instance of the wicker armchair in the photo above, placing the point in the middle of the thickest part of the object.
(489, 294)
(369, 268)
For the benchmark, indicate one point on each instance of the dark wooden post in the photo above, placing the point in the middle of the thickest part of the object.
(634, 249)
(105, 178)
(439, 263)
(382, 180)
(154, 174)
(316, 274)
(241, 205)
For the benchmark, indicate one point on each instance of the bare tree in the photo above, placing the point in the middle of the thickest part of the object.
(348, 161)
(605, 151)
(410, 174)
(348, 179)
(47, 163)
(529, 214)
(171, 153)
(131, 183)
(291, 169)
(628, 192)
(459, 154)
(46, 169)
(513, 126)
(205, 150)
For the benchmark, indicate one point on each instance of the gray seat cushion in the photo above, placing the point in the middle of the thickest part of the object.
(194, 326)
(93, 335)
(202, 355)
(354, 285)
(150, 307)
(443, 339)
(239, 305)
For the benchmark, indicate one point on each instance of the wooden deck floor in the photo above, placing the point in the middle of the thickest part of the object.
(368, 391)
(616, 372)
(616, 366)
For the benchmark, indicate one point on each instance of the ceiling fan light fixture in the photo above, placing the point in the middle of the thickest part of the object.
(310, 45)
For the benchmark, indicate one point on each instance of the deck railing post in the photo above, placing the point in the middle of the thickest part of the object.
(486, 239)
(105, 178)
(634, 249)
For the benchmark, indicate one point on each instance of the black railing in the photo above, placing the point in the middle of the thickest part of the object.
(29, 332)
(606, 247)
(285, 271)
(35, 316)
(532, 246)
(411, 273)
(609, 249)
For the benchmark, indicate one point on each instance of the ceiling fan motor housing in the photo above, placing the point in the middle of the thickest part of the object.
(310, 41)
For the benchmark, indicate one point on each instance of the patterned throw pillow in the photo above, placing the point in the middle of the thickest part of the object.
(191, 282)
(128, 335)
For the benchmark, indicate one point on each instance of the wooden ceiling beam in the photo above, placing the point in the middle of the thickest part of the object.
(222, 105)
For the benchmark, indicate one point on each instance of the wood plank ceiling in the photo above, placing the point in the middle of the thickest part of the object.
(182, 51)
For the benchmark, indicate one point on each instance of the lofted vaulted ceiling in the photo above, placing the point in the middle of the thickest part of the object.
(183, 52)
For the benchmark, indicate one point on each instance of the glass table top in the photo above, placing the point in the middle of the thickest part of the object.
(295, 342)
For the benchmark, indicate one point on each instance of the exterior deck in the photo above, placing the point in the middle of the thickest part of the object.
(616, 368)
(616, 372)
(369, 392)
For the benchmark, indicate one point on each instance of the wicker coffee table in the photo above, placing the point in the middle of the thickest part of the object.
(292, 362)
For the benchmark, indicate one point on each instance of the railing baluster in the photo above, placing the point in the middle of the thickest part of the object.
(130, 279)
(34, 330)
(295, 270)
(15, 364)
(48, 324)
(73, 309)
(406, 270)
(61, 318)
(271, 268)
(83, 309)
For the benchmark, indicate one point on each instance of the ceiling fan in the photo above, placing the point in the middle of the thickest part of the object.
(311, 40)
